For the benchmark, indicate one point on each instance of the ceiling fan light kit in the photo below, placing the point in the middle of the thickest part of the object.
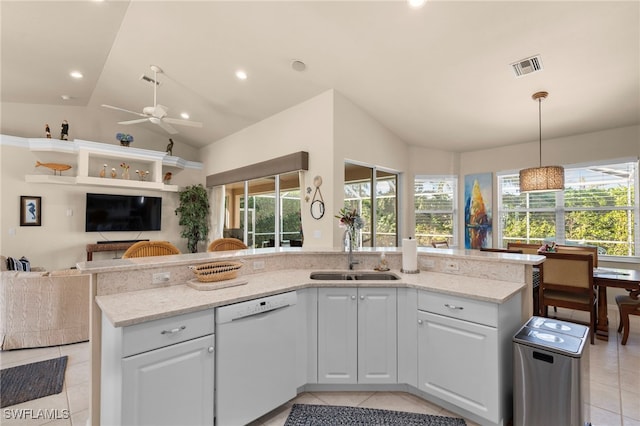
(538, 179)
(156, 114)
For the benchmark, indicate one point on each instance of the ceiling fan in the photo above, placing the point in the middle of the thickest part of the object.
(156, 114)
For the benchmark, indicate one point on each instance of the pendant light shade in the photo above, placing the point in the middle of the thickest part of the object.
(548, 178)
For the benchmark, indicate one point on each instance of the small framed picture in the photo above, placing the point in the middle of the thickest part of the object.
(30, 210)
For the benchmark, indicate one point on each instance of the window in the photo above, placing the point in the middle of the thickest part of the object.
(599, 206)
(380, 223)
(435, 208)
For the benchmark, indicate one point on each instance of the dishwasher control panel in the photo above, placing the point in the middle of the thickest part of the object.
(254, 307)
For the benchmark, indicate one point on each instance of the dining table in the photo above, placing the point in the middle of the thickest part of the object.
(628, 279)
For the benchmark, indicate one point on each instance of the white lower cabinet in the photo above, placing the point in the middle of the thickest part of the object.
(160, 372)
(170, 386)
(464, 353)
(357, 335)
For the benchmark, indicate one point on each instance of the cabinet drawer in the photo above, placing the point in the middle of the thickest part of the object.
(167, 331)
(459, 307)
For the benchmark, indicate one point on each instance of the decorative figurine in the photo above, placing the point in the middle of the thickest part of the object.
(64, 132)
(142, 173)
(167, 177)
(103, 172)
(170, 147)
(47, 131)
(124, 138)
(113, 173)
(56, 167)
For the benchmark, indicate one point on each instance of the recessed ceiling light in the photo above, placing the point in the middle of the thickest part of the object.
(76, 74)
(65, 97)
(241, 74)
(416, 4)
(184, 115)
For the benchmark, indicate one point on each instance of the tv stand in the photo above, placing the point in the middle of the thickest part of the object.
(109, 246)
(119, 241)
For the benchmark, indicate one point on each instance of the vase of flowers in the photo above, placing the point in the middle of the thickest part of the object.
(125, 170)
(352, 222)
(124, 138)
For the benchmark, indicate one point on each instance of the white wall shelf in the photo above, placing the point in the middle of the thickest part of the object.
(85, 157)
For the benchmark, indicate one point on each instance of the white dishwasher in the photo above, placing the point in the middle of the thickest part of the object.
(256, 358)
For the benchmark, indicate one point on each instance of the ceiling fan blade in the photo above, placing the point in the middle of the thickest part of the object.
(124, 110)
(139, 120)
(182, 122)
(166, 126)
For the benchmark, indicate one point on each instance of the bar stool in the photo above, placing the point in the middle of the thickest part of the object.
(626, 306)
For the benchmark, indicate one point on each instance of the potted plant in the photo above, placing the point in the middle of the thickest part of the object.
(194, 215)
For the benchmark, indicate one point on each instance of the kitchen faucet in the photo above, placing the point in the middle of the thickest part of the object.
(348, 241)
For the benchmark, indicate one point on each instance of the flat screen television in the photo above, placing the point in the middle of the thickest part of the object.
(108, 212)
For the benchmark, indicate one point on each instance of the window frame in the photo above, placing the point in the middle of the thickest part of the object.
(561, 210)
(453, 180)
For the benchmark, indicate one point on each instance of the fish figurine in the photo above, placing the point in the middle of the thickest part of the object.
(56, 167)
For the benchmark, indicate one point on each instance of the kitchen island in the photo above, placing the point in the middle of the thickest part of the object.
(496, 288)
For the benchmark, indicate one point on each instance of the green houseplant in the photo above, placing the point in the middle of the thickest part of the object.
(194, 215)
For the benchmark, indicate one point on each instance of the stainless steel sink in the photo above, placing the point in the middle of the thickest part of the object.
(356, 276)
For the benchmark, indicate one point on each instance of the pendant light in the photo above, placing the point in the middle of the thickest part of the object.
(548, 178)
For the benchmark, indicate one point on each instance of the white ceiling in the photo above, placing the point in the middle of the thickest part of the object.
(438, 76)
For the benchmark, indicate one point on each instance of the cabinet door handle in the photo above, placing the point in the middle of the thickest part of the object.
(361, 297)
(353, 298)
(419, 321)
(210, 349)
(453, 306)
(175, 330)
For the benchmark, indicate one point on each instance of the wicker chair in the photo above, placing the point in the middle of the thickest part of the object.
(224, 244)
(150, 248)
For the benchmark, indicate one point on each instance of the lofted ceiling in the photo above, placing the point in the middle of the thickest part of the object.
(438, 76)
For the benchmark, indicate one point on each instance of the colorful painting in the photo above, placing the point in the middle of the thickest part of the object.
(477, 210)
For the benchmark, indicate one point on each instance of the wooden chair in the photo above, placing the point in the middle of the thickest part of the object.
(627, 305)
(224, 244)
(150, 248)
(566, 281)
(499, 250)
(440, 243)
(526, 248)
(591, 250)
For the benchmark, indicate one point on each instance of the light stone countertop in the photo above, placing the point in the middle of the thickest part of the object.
(129, 308)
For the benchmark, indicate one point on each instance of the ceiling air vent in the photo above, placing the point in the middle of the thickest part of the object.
(527, 66)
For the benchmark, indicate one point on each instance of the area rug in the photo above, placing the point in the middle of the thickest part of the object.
(31, 381)
(321, 415)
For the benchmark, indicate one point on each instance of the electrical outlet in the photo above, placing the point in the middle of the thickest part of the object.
(258, 264)
(427, 263)
(161, 277)
(451, 266)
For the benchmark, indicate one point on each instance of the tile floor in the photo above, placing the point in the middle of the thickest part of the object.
(615, 386)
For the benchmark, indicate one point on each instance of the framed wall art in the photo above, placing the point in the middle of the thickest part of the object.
(477, 210)
(30, 210)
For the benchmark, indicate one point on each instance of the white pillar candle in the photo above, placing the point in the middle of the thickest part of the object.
(409, 255)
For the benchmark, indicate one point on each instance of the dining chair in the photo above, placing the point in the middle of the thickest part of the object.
(627, 305)
(224, 244)
(582, 249)
(566, 281)
(440, 243)
(501, 250)
(150, 248)
(527, 248)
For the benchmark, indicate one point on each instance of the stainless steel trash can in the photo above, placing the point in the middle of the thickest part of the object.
(551, 374)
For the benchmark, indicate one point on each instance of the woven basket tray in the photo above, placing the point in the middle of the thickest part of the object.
(216, 271)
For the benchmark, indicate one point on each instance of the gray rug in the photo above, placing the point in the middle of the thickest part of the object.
(31, 381)
(329, 415)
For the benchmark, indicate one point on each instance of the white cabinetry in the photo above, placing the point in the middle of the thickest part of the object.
(464, 352)
(160, 372)
(357, 335)
(88, 158)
